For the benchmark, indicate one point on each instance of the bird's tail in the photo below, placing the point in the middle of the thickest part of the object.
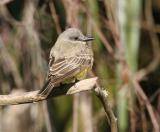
(46, 89)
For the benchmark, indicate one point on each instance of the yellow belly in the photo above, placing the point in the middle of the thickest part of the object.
(79, 76)
(82, 74)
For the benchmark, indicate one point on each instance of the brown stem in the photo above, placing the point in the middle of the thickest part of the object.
(30, 97)
(101, 94)
(148, 105)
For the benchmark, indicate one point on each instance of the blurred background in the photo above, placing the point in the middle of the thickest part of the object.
(127, 63)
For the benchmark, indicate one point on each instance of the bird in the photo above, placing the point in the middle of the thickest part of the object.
(71, 58)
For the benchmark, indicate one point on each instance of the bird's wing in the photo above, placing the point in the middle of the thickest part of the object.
(62, 69)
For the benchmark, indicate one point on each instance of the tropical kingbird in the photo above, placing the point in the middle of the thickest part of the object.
(70, 59)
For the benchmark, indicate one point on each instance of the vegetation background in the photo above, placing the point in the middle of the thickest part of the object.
(127, 62)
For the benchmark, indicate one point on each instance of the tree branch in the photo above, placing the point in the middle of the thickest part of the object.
(30, 97)
(84, 85)
(102, 95)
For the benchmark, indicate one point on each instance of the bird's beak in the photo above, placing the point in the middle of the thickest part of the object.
(86, 38)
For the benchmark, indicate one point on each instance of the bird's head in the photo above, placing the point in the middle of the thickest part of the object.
(74, 35)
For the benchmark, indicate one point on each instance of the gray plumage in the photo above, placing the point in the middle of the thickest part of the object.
(70, 55)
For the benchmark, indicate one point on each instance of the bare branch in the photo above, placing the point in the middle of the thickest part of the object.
(84, 85)
(102, 94)
(55, 16)
(148, 105)
(30, 97)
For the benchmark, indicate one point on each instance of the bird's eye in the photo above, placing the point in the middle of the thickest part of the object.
(75, 38)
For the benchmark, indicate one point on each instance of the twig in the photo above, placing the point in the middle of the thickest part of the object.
(148, 105)
(156, 94)
(54, 16)
(30, 97)
(143, 116)
(101, 94)
(102, 37)
(110, 25)
(84, 85)
(131, 112)
(150, 24)
(100, 33)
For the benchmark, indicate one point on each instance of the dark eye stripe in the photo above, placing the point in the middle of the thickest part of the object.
(74, 38)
